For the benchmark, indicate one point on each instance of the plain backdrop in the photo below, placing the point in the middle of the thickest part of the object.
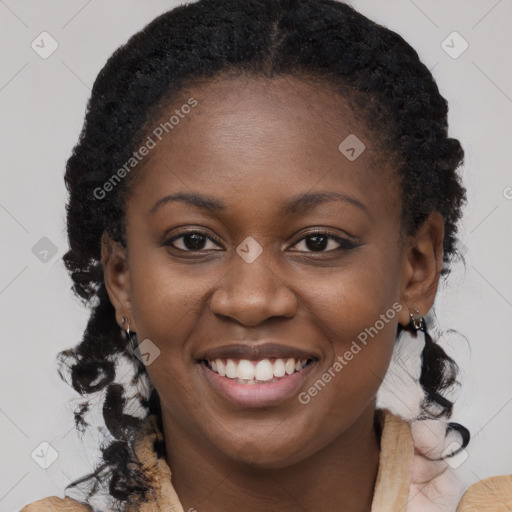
(42, 102)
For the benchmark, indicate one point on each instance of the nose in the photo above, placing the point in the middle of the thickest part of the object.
(251, 293)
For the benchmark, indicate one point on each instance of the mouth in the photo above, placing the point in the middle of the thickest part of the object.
(247, 372)
(256, 376)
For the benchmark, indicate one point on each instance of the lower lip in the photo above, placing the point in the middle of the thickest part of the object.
(257, 395)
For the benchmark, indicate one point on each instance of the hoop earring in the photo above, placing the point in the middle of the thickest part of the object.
(132, 336)
(417, 321)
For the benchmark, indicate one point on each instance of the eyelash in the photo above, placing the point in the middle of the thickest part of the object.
(345, 243)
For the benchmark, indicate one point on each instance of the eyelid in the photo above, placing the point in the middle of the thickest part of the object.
(169, 240)
(340, 239)
(326, 231)
(345, 242)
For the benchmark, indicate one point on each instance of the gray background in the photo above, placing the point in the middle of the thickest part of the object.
(42, 104)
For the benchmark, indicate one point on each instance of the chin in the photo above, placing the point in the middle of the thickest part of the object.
(263, 455)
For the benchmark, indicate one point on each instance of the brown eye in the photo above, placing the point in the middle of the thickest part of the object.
(192, 241)
(320, 241)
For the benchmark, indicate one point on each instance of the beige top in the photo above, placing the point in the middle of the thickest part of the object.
(391, 488)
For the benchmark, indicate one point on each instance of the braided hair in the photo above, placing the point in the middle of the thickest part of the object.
(367, 63)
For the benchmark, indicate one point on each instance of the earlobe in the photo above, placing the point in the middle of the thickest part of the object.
(423, 261)
(116, 276)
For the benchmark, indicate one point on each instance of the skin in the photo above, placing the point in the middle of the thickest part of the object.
(252, 143)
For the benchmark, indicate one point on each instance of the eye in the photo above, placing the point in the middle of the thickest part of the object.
(316, 241)
(191, 241)
(319, 241)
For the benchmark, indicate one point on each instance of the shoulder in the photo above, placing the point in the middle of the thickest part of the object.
(493, 494)
(55, 504)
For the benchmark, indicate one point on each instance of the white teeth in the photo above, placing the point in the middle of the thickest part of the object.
(221, 369)
(264, 370)
(242, 381)
(231, 369)
(246, 370)
(279, 368)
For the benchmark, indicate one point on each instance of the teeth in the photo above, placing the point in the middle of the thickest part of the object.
(221, 369)
(244, 371)
(279, 368)
(264, 370)
(231, 369)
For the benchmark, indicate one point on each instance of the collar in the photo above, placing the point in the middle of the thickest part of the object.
(395, 462)
(399, 485)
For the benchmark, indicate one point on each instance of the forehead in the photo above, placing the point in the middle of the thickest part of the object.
(259, 139)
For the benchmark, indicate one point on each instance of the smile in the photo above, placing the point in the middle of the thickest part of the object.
(255, 375)
(244, 371)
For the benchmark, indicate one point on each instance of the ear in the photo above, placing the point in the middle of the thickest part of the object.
(117, 279)
(421, 270)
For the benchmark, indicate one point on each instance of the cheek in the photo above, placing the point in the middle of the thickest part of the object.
(166, 298)
(344, 308)
(348, 302)
(166, 306)
(356, 311)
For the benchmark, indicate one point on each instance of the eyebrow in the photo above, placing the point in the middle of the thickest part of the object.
(293, 206)
(198, 200)
(303, 202)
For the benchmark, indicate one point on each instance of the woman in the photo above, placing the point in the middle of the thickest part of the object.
(261, 205)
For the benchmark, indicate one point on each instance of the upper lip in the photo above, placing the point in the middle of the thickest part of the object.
(255, 352)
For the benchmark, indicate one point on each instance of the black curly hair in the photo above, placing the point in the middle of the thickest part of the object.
(326, 40)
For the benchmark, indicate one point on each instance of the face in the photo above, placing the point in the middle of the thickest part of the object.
(256, 248)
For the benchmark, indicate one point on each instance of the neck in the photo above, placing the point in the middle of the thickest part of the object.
(341, 476)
